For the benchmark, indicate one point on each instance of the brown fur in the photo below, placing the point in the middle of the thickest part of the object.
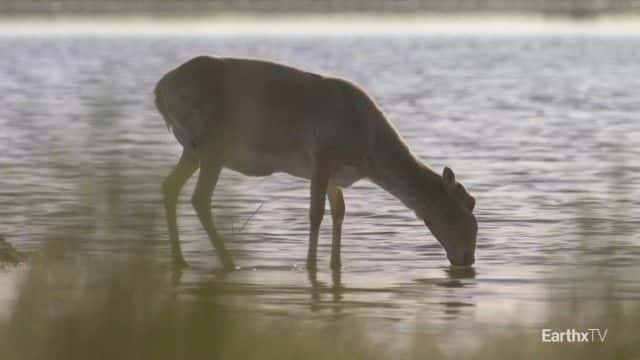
(259, 117)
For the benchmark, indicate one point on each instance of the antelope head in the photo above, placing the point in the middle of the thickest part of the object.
(454, 224)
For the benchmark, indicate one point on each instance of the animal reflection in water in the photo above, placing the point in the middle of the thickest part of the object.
(258, 117)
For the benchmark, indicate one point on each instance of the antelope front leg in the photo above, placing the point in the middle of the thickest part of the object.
(336, 200)
(171, 191)
(319, 183)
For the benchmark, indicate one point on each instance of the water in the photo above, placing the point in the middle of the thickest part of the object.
(543, 130)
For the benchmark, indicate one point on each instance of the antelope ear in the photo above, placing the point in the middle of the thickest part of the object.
(448, 178)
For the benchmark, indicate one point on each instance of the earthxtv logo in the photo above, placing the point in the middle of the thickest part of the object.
(573, 335)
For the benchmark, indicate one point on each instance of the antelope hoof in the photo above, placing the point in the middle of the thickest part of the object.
(228, 264)
(179, 263)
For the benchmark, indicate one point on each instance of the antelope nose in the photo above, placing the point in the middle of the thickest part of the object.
(463, 258)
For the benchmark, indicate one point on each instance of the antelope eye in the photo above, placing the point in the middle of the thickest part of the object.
(472, 203)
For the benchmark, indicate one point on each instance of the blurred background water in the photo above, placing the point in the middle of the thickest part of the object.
(543, 129)
(573, 8)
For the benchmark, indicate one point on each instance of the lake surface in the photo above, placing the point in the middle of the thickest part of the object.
(543, 130)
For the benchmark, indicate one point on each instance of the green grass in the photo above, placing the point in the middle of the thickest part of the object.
(80, 300)
(75, 304)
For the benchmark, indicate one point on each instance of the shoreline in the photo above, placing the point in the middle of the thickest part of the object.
(329, 25)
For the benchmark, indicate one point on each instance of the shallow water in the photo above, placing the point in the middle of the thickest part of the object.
(543, 130)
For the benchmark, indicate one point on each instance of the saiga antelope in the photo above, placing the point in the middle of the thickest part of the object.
(258, 117)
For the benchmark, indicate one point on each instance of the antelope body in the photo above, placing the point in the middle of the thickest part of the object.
(258, 117)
